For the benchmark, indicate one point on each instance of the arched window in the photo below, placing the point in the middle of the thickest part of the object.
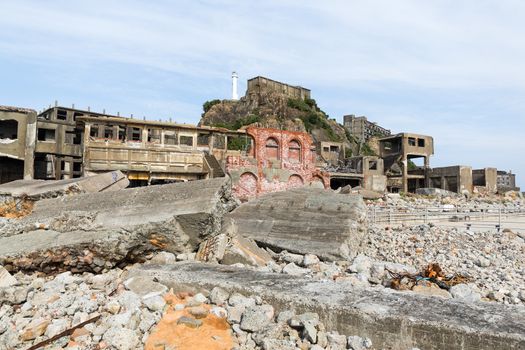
(272, 148)
(294, 151)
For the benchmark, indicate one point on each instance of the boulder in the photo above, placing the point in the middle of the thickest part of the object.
(304, 221)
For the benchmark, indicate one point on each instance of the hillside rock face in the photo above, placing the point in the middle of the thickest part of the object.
(275, 110)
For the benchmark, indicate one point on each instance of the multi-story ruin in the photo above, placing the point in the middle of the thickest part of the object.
(506, 181)
(276, 160)
(398, 152)
(362, 130)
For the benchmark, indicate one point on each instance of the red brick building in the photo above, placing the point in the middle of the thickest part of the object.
(276, 160)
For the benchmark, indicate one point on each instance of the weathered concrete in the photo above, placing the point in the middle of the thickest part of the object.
(39, 189)
(115, 226)
(303, 220)
(391, 319)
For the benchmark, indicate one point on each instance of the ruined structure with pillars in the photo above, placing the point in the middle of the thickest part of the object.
(276, 160)
(397, 151)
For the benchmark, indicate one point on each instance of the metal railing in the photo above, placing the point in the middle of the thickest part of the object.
(491, 216)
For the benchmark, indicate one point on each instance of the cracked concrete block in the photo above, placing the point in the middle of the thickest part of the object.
(91, 232)
(303, 220)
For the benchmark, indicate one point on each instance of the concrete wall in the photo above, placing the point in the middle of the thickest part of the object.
(486, 178)
(272, 168)
(453, 178)
(258, 85)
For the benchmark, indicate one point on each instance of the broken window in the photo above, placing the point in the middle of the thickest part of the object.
(326, 149)
(421, 142)
(186, 140)
(135, 134)
(203, 139)
(46, 134)
(170, 138)
(334, 149)
(294, 151)
(387, 145)
(239, 143)
(108, 132)
(372, 165)
(411, 141)
(9, 129)
(154, 135)
(61, 114)
(94, 131)
(272, 148)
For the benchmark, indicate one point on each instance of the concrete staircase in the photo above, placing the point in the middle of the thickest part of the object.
(215, 167)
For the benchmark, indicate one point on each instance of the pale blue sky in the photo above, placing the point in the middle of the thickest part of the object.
(451, 69)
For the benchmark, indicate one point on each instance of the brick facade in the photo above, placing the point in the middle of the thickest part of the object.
(279, 160)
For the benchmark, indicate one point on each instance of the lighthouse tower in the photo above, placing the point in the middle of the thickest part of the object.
(235, 95)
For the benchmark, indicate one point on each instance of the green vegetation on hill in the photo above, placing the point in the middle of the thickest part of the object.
(313, 118)
(208, 104)
(239, 123)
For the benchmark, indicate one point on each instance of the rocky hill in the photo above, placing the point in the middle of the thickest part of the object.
(275, 110)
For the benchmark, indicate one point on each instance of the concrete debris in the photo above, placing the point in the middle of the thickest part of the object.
(40, 189)
(93, 232)
(303, 220)
(6, 280)
(387, 317)
(436, 192)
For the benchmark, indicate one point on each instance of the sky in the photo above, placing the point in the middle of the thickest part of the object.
(454, 70)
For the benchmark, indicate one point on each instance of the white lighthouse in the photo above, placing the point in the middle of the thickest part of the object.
(235, 95)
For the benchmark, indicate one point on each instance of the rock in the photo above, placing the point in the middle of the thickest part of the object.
(35, 329)
(200, 298)
(113, 307)
(154, 303)
(219, 296)
(297, 221)
(483, 262)
(361, 264)
(308, 317)
(358, 343)
(496, 295)
(309, 332)
(198, 312)
(465, 292)
(291, 258)
(219, 312)
(57, 326)
(237, 299)
(13, 295)
(285, 316)
(336, 341)
(121, 338)
(309, 260)
(294, 270)
(6, 280)
(245, 251)
(189, 322)
(145, 287)
(163, 258)
(254, 319)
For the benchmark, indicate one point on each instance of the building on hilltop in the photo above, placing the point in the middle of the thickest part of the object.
(361, 129)
(259, 86)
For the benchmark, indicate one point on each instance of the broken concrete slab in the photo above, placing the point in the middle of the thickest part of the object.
(232, 250)
(391, 319)
(110, 228)
(303, 220)
(6, 280)
(39, 189)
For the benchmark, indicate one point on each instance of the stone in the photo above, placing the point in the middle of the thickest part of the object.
(237, 299)
(285, 316)
(13, 295)
(198, 312)
(6, 280)
(358, 343)
(145, 287)
(56, 326)
(310, 259)
(219, 312)
(294, 270)
(245, 251)
(465, 293)
(292, 258)
(113, 307)
(254, 319)
(189, 322)
(35, 329)
(303, 221)
(121, 338)
(309, 332)
(219, 296)
(163, 258)
(483, 262)
(200, 298)
(361, 264)
(154, 303)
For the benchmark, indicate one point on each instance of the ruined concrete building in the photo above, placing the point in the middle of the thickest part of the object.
(506, 181)
(361, 129)
(364, 171)
(276, 160)
(398, 152)
(259, 86)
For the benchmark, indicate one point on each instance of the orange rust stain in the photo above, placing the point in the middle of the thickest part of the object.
(9, 210)
(214, 333)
